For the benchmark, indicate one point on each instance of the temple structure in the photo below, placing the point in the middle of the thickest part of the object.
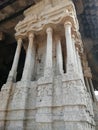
(56, 90)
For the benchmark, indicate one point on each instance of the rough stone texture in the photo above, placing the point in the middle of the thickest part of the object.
(96, 112)
(54, 105)
(52, 100)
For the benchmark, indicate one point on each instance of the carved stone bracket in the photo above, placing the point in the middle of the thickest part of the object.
(56, 15)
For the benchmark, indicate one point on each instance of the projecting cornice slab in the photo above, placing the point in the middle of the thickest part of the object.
(40, 16)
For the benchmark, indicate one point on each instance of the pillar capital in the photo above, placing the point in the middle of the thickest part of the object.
(30, 34)
(19, 40)
(19, 37)
(67, 23)
(49, 29)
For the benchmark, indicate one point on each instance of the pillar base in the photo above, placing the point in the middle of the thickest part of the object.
(59, 103)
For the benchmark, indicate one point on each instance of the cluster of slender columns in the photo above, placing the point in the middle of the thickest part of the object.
(48, 68)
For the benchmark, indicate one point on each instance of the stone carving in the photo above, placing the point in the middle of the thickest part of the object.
(68, 91)
(45, 90)
(48, 97)
(37, 22)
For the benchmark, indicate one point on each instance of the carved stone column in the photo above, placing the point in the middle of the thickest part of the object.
(30, 59)
(87, 85)
(92, 89)
(13, 72)
(59, 56)
(48, 63)
(69, 45)
(75, 54)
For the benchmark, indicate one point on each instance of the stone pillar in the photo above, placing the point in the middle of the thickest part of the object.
(88, 86)
(92, 89)
(75, 54)
(79, 68)
(30, 59)
(77, 59)
(59, 56)
(69, 45)
(13, 72)
(48, 62)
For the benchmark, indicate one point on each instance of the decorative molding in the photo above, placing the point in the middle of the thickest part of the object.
(54, 16)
